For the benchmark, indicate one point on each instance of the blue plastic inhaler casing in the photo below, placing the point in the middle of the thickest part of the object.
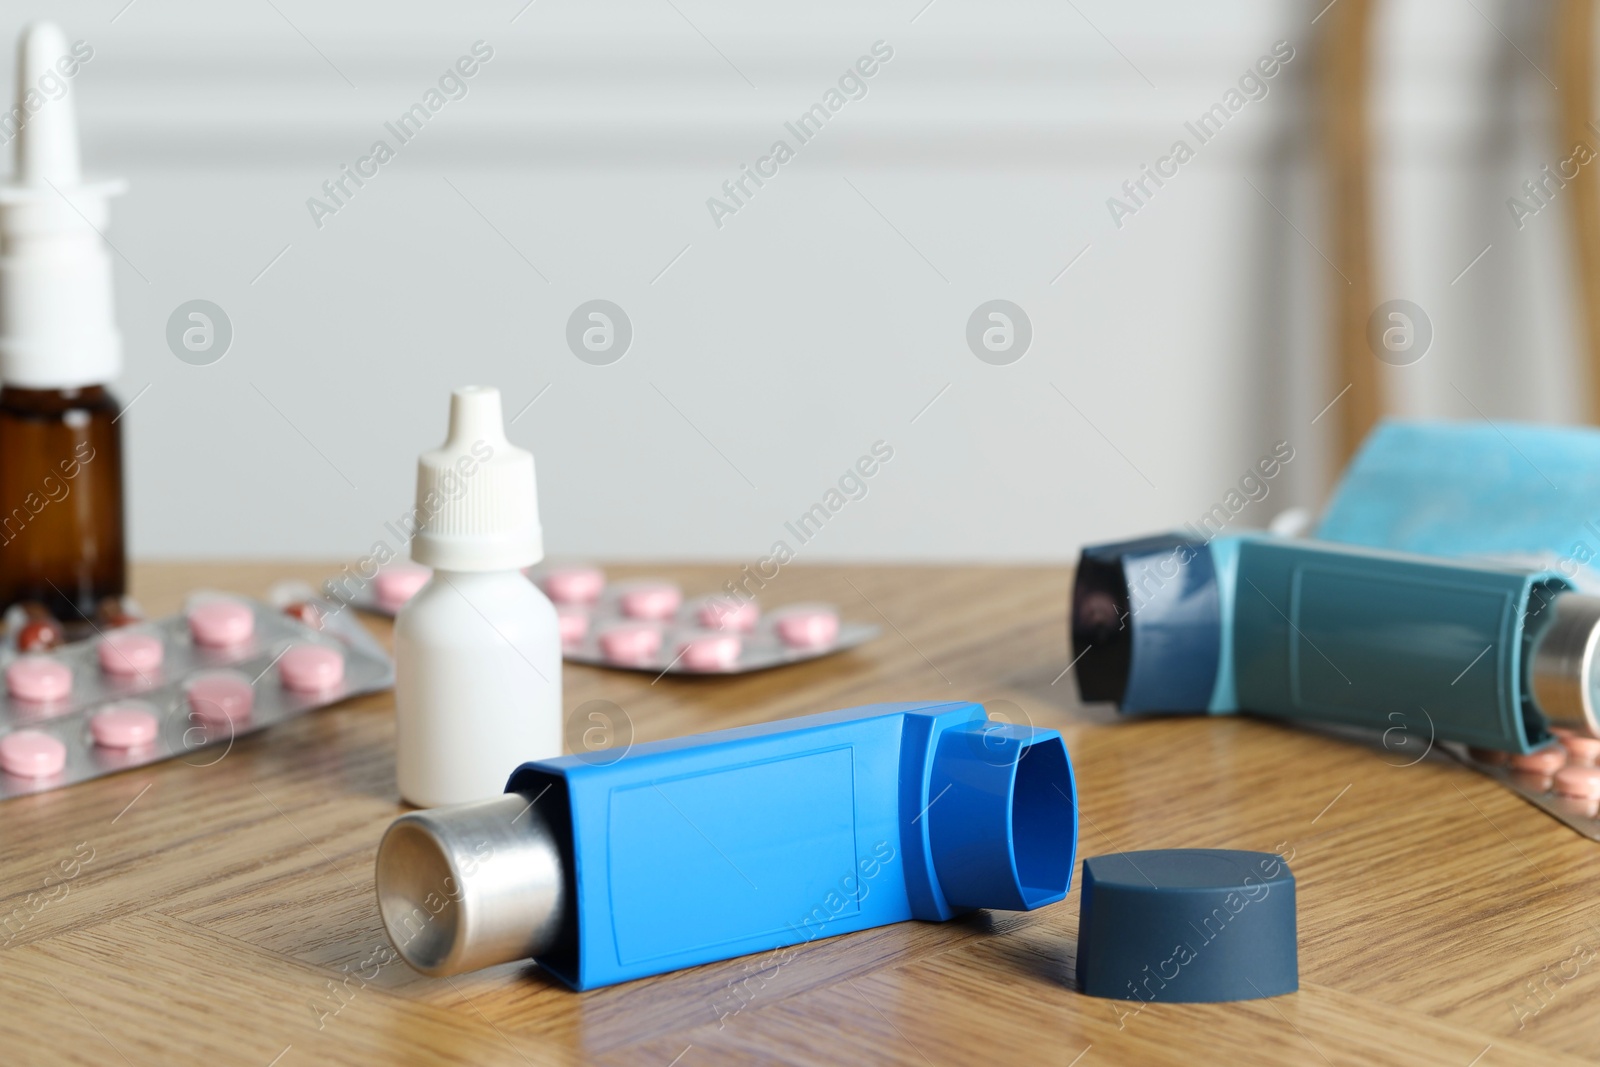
(722, 844)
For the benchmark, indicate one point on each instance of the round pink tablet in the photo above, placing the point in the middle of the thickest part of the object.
(574, 624)
(1537, 781)
(311, 668)
(1545, 761)
(630, 643)
(651, 600)
(573, 585)
(39, 679)
(1584, 751)
(221, 623)
(714, 652)
(1583, 807)
(126, 652)
(220, 698)
(123, 726)
(808, 629)
(719, 614)
(1578, 782)
(398, 583)
(31, 754)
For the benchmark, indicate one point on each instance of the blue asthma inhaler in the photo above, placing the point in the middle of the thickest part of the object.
(761, 839)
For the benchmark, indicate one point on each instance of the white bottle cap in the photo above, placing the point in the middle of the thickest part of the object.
(477, 501)
(57, 329)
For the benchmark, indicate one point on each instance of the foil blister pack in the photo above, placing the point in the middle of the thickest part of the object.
(187, 685)
(648, 625)
(1562, 778)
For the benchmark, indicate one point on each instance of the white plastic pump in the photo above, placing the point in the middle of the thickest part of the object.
(57, 329)
(478, 649)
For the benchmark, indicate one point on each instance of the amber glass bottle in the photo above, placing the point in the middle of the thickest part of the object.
(61, 540)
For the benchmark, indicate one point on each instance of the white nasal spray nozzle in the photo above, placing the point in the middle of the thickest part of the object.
(57, 327)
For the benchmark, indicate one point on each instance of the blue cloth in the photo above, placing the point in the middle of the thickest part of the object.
(1508, 492)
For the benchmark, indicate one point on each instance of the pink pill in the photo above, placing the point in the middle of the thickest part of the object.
(808, 629)
(125, 652)
(399, 582)
(311, 668)
(31, 754)
(1583, 807)
(1545, 761)
(1578, 782)
(712, 653)
(1584, 751)
(651, 600)
(1536, 781)
(573, 585)
(630, 643)
(574, 624)
(123, 726)
(720, 614)
(38, 678)
(220, 698)
(221, 623)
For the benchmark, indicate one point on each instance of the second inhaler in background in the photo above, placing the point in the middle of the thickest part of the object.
(61, 526)
(478, 650)
(1486, 655)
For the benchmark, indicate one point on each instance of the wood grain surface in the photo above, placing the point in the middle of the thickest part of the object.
(225, 912)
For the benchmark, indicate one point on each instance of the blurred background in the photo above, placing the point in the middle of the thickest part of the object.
(1149, 355)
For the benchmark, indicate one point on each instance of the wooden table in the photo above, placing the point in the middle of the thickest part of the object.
(224, 908)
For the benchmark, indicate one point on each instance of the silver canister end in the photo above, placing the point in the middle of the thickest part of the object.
(471, 885)
(1564, 664)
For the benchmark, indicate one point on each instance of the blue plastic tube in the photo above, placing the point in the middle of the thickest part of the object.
(741, 841)
(1333, 633)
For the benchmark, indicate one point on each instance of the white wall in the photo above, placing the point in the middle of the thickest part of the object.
(827, 313)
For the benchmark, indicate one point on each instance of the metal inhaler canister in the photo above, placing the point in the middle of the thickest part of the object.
(718, 845)
(1490, 656)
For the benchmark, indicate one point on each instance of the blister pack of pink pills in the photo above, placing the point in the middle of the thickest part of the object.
(187, 686)
(647, 625)
(1563, 778)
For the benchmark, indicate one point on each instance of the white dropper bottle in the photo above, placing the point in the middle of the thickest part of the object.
(478, 649)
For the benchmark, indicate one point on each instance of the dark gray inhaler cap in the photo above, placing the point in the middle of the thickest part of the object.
(1187, 925)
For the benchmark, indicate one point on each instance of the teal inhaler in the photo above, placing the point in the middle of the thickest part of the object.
(1487, 655)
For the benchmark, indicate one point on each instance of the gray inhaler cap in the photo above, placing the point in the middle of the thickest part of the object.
(1187, 925)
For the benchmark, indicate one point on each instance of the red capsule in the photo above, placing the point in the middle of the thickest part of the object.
(305, 612)
(40, 635)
